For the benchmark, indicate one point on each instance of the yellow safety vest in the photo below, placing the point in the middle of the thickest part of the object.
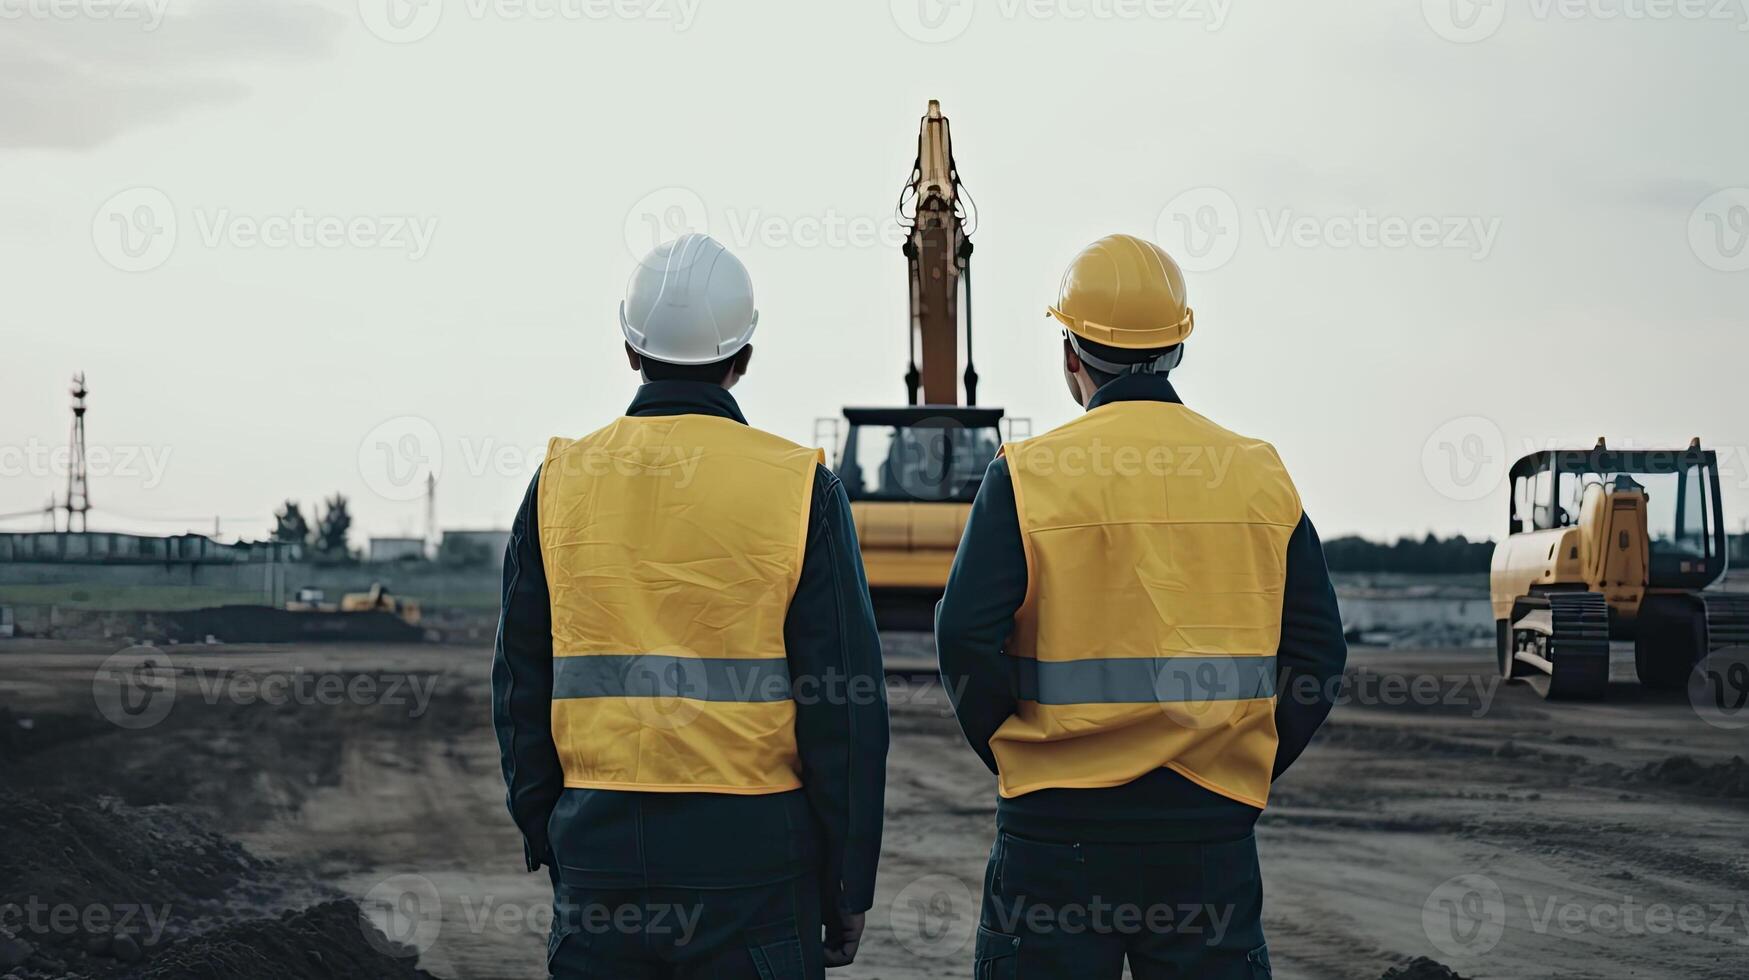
(1156, 553)
(672, 547)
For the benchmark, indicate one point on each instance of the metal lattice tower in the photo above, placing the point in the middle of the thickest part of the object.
(78, 501)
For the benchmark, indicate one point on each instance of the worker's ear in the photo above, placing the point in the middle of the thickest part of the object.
(634, 360)
(738, 366)
(1072, 373)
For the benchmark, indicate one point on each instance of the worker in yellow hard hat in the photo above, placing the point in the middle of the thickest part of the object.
(1139, 636)
(687, 687)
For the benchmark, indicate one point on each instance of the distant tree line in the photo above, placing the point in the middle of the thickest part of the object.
(1430, 555)
(326, 541)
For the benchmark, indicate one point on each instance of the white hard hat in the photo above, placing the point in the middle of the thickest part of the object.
(689, 302)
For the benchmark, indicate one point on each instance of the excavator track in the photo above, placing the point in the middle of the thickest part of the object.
(1720, 682)
(1677, 631)
(1727, 620)
(1560, 645)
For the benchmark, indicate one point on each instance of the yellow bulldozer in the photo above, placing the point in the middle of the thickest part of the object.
(376, 599)
(912, 471)
(1605, 545)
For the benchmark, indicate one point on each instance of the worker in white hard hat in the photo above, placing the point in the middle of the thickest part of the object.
(687, 686)
(1139, 636)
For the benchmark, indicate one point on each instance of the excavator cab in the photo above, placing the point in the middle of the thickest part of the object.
(925, 453)
(1612, 544)
(911, 474)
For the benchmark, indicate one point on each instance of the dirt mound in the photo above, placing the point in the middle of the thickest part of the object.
(92, 887)
(267, 624)
(1729, 780)
(327, 940)
(1421, 968)
(247, 761)
(1407, 742)
(1722, 780)
(103, 891)
(66, 852)
(22, 735)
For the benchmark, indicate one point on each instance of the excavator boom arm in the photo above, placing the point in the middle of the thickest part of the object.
(938, 256)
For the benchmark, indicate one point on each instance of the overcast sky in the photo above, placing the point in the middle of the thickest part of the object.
(298, 245)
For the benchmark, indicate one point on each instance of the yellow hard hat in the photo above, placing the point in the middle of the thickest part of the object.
(1124, 292)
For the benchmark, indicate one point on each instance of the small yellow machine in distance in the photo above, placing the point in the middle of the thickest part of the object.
(1606, 544)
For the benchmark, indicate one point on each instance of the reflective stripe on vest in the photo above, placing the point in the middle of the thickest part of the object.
(1163, 680)
(672, 548)
(651, 676)
(1156, 549)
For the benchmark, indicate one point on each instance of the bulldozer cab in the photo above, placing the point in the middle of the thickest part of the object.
(929, 453)
(1677, 491)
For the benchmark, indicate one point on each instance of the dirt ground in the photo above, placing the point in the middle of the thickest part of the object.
(1437, 816)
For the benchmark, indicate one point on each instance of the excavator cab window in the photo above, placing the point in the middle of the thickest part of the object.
(1569, 496)
(1683, 524)
(1684, 527)
(1543, 497)
(1546, 512)
(1677, 514)
(917, 463)
(920, 454)
(1521, 506)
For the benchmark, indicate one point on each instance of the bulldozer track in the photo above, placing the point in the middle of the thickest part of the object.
(1727, 620)
(1572, 643)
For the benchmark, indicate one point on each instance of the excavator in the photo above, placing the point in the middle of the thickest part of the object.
(1605, 545)
(912, 471)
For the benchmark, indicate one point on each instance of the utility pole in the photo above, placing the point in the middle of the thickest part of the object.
(78, 488)
(431, 515)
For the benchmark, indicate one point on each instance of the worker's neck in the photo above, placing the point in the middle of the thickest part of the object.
(1150, 386)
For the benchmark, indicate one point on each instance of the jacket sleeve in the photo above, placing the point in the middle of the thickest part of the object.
(1313, 650)
(522, 685)
(840, 692)
(984, 590)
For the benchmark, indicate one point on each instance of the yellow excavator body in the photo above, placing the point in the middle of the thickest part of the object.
(1607, 552)
(909, 544)
(379, 599)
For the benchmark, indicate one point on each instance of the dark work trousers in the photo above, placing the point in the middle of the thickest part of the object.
(1188, 911)
(762, 932)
